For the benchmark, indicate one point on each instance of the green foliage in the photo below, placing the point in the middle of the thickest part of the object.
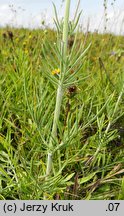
(88, 162)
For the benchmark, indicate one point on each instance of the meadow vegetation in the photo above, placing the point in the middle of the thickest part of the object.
(90, 163)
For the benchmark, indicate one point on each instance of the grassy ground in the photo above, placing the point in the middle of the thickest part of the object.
(90, 165)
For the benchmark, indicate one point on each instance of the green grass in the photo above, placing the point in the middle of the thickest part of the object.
(90, 163)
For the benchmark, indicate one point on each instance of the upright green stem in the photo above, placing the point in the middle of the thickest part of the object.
(65, 28)
(59, 90)
(54, 128)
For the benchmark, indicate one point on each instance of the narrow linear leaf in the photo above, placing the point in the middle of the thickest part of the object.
(87, 178)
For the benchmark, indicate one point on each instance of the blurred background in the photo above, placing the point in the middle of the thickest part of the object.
(39, 14)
